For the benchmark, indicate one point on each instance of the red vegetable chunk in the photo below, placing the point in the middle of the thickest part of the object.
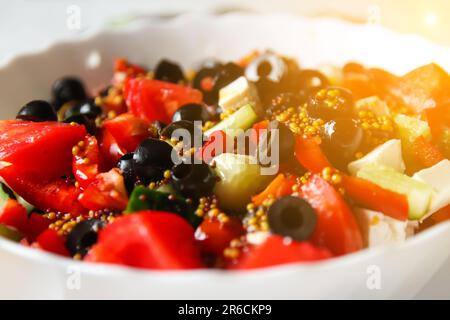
(275, 250)
(148, 239)
(158, 100)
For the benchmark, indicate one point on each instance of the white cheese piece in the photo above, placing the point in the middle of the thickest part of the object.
(378, 229)
(438, 177)
(237, 94)
(388, 154)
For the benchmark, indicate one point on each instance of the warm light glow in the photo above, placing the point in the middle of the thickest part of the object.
(430, 19)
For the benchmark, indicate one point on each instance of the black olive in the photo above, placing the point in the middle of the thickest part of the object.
(210, 73)
(184, 128)
(292, 217)
(169, 71)
(267, 66)
(127, 165)
(193, 180)
(37, 111)
(341, 139)
(67, 89)
(152, 157)
(88, 108)
(83, 236)
(191, 112)
(85, 121)
(330, 103)
(228, 73)
(310, 81)
(282, 102)
(285, 141)
(7, 190)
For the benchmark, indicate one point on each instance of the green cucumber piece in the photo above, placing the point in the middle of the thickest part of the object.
(241, 119)
(143, 198)
(410, 128)
(240, 178)
(10, 233)
(418, 193)
(4, 196)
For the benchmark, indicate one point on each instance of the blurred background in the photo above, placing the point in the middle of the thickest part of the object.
(27, 25)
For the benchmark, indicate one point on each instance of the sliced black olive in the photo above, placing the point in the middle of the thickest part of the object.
(266, 67)
(292, 217)
(67, 89)
(85, 121)
(169, 71)
(228, 73)
(191, 112)
(158, 127)
(284, 141)
(282, 102)
(341, 139)
(310, 81)
(330, 103)
(181, 129)
(193, 180)
(37, 111)
(7, 190)
(204, 81)
(88, 108)
(127, 165)
(152, 158)
(83, 236)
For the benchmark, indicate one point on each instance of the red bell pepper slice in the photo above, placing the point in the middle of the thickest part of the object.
(275, 251)
(426, 152)
(110, 150)
(336, 227)
(309, 154)
(148, 239)
(280, 186)
(216, 145)
(374, 197)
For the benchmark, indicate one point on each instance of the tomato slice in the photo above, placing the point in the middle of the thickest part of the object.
(157, 100)
(309, 154)
(110, 150)
(15, 215)
(275, 250)
(107, 191)
(148, 239)
(50, 241)
(214, 236)
(372, 196)
(336, 227)
(43, 148)
(86, 161)
(128, 130)
(280, 186)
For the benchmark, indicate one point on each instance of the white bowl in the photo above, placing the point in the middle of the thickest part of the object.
(398, 271)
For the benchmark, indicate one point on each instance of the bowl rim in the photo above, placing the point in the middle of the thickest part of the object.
(366, 254)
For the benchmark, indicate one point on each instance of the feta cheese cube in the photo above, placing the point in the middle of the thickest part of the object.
(237, 94)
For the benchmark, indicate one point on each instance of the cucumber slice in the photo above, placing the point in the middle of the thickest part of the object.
(410, 128)
(242, 119)
(418, 193)
(4, 196)
(143, 198)
(240, 178)
(10, 233)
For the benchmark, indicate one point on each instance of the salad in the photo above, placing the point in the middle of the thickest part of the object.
(234, 165)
